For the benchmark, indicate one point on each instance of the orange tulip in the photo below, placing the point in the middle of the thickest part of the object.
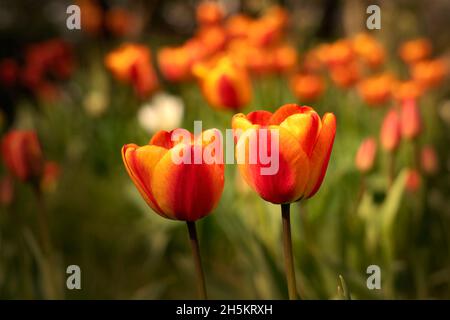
(411, 123)
(365, 155)
(224, 83)
(415, 50)
(338, 53)
(22, 155)
(307, 87)
(376, 90)
(345, 75)
(429, 73)
(390, 131)
(238, 26)
(209, 13)
(180, 191)
(120, 21)
(268, 30)
(369, 50)
(92, 19)
(284, 58)
(175, 63)
(429, 160)
(409, 89)
(131, 63)
(50, 176)
(211, 39)
(304, 145)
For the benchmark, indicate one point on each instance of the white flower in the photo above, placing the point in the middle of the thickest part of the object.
(164, 112)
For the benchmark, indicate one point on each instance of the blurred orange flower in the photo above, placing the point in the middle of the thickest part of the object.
(429, 73)
(390, 133)
(284, 58)
(369, 50)
(307, 87)
(209, 13)
(120, 21)
(413, 51)
(131, 63)
(22, 155)
(338, 53)
(409, 89)
(50, 176)
(224, 83)
(92, 16)
(376, 90)
(305, 143)
(238, 26)
(413, 180)
(180, 191)
(345, 75)
(365, 156)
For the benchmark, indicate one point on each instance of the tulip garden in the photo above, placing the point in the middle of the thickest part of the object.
(224, 150)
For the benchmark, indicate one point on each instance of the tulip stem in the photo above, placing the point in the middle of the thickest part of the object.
(288, 257)
(391, 169)
(197, 260)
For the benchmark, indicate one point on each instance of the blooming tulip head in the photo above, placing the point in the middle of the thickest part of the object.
(131, 63)
(302, 143)
(369, 50)
(390, 131)
(22, 155)
(169, 177)
(376, 90)
(224, 83)
(365, 156)
(429, 73)
(411, 123)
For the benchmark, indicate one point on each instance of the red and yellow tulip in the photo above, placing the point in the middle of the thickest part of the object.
(224, 83)
(131, 63)
(180, 191)
(305, 143)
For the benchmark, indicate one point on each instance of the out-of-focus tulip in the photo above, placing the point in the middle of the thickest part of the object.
(22, 154)
(180, 191)
(92, 19)
(369, 50)
(307, 87)
(120, 21)
(131, 63)
(409, 89)
(284, 58)
(429, 73)
(238, 26)
(345, 76)
(50, 176)
(376, 90)
(411, 122)
(413, 180)
(415, 50)
(165, 112)
(175, 63)
(365, 156)
(224, 84)
(305, 143)
(9, 72)
(312, 61)
(212, 39)
(209, 13)
(390, 131)
(6, 190)
(429, 160)
(268, 30)
(338, 53)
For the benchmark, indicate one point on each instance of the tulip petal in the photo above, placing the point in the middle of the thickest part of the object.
(140, 163)
(321, 154)
(305, 127)
(287, 110)
(187, 191)
(260, 117)
(288, 183)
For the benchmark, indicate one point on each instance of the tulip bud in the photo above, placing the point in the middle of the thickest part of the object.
(22, 154)
(224, 84)
(390, 131)
(365, 156)
(410, 119)
(413, 180)
(429, 160)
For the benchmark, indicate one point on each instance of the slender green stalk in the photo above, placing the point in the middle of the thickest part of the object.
(197, 260)
(391, 169)
(288, 257)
